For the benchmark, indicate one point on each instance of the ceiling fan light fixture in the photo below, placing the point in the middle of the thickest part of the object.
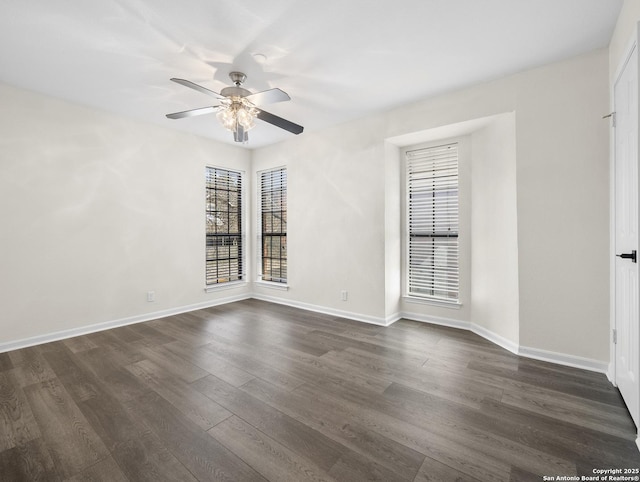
(238, 113)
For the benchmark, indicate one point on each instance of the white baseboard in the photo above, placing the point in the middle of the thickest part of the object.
(535, 353)
(564, 359)
(374, 320)
(437, 320)
(465, 325)
(84, 330)
(611, 375)
(495, 338)
(543, 355)
(391, 319)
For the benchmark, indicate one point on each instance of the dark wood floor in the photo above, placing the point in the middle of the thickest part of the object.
(256, 391)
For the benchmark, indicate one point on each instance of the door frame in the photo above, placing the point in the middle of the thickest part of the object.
(631, 49)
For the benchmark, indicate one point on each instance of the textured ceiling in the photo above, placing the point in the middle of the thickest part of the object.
(338, 60)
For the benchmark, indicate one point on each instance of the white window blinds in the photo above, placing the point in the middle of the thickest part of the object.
(223, 208)
(432, 181)
(273, 207)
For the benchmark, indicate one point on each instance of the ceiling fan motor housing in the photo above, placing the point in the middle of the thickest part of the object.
(235, 91)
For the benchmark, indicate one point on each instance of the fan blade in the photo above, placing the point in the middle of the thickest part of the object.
(199, 88)
(193, 112)
(270, 96)
(279, 122)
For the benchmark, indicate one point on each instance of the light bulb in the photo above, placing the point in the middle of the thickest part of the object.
(245, 119)
(227, 118)
(239, 112)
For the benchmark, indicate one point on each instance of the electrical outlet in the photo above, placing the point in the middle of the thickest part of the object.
(343, 295)
(151, 296)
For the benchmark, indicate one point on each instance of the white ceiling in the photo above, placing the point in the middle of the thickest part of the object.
(337, 59)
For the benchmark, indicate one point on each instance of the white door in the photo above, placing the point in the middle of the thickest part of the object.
(626, 234)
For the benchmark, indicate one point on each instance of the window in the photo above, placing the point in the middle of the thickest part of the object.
(273, 225)
(432, 209)
(224, 226)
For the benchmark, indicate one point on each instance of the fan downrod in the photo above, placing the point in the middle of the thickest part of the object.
(237, 78)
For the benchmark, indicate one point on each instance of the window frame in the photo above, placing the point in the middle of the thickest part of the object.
(461, 247)
(281, 282)
(240, 236)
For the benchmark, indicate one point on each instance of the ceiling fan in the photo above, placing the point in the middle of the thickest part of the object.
(238, 108)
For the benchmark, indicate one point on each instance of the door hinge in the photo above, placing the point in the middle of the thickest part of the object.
(615, 336)
(613, 118)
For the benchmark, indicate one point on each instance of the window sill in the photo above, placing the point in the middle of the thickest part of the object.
(272, 285)
(225, 286)
(454, 305)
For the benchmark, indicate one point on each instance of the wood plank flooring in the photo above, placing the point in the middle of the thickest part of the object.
(256, 391)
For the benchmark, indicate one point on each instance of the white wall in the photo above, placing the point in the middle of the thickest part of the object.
(561, 187)
(336, 218)
(562, 194)
(494, 229)
(563, 207)
(97, 210)
(393, 233)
